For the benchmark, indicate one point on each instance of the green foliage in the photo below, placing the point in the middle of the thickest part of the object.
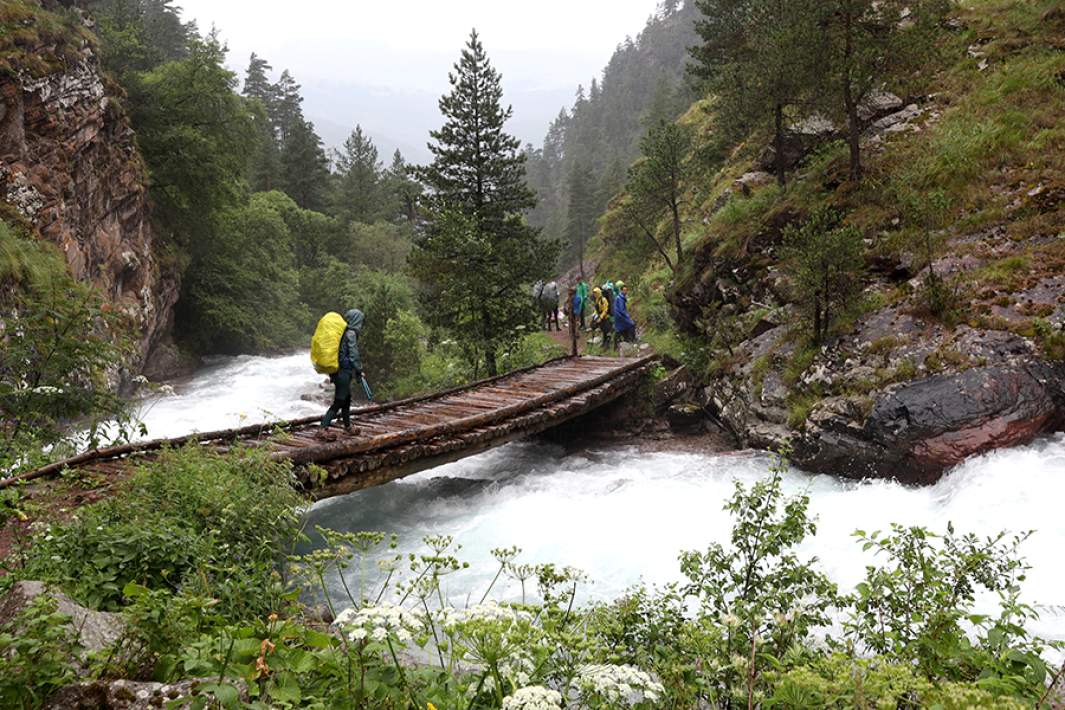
(195, 135)
(866, 44)
(359, 175)
(760, 58)
(61, 345)
(641, 85)
(656, 185)
(1050, 339)
(581, 215)
(381, 246)
(915, 607)
(37, 654)
(827, 264)
(192, 521)
(242, 293)
(765, 597)
(26, 28)
(478, 255)
(743, 630)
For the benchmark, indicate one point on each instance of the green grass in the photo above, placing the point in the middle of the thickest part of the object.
(37, 42)
(1009, 273)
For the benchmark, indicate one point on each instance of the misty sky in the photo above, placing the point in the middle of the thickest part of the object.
(384, 64)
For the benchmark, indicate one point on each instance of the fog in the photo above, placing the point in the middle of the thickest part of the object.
(384, 65)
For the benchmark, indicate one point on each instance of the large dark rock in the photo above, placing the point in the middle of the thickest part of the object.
(918, 430)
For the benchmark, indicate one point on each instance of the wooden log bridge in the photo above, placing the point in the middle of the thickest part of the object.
(396, 439)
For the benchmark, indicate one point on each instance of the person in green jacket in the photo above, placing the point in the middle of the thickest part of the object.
(350, 370)
(580, 303)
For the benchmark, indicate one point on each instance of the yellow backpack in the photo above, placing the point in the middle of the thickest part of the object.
(325, 344)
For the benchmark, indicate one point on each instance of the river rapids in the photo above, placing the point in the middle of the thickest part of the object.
(622, 515)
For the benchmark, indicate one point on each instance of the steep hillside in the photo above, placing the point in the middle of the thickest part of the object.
(69, 167)
(955, 341)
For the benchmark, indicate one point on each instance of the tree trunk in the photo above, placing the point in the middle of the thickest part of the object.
(854, 133)
(778, 144)
(675, 206)
(580, 253)
(490, 362)
(854, 129)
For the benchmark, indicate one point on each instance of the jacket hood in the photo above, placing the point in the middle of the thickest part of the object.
(597, 292)
(355, 319)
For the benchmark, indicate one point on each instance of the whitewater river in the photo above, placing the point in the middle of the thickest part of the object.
(621, 515)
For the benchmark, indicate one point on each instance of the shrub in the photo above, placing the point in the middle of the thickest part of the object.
(191, 521)
(827, 266)
(37, 654)
(61, 348)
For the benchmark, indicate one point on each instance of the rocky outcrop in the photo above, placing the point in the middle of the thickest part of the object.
(94, 631)
(69, 168)
(918, 430)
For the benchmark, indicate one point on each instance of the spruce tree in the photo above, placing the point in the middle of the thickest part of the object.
(304, 166)
(760, 58)
(583, 210)
(403, 191)
(358, 171)
(264, 164)
(478, 255)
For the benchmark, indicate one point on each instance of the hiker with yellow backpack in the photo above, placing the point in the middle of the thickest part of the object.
(335, 352)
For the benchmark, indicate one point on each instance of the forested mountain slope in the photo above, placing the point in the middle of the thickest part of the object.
(892, 322)
(590, 145)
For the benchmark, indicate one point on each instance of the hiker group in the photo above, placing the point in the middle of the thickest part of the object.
(608, 305)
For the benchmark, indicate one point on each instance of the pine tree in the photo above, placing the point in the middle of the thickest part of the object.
(287, 109)
(583, 210)
(304, 166)
(760, 58)
(656, 182)
(869, 42)
(358, 170)
(264, 165)
(403, 191)
(256, 80)
(478, 254)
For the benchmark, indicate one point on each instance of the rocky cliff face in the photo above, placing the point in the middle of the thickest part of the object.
(900, 394)
(69, 167)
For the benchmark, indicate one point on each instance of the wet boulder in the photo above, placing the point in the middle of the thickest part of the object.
(916, 431)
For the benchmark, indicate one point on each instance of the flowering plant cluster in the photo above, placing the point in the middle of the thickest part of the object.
(535, 697)
(617, 685)
(379, 623)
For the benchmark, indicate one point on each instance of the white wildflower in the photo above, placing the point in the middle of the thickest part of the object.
(45, 389)
(379, 623)
(535, 697)
(617, 685)
(488, 612)
(730, 620)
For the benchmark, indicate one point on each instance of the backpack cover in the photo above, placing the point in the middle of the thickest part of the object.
(325, 344)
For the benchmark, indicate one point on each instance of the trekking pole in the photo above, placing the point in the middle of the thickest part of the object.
(366, 387)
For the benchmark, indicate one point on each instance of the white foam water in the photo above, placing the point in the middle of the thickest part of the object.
(622, 515)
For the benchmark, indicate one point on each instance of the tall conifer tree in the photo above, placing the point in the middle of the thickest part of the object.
(359, 177)
(479, 255)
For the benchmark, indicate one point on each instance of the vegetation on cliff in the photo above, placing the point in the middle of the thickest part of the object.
(945, 244)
